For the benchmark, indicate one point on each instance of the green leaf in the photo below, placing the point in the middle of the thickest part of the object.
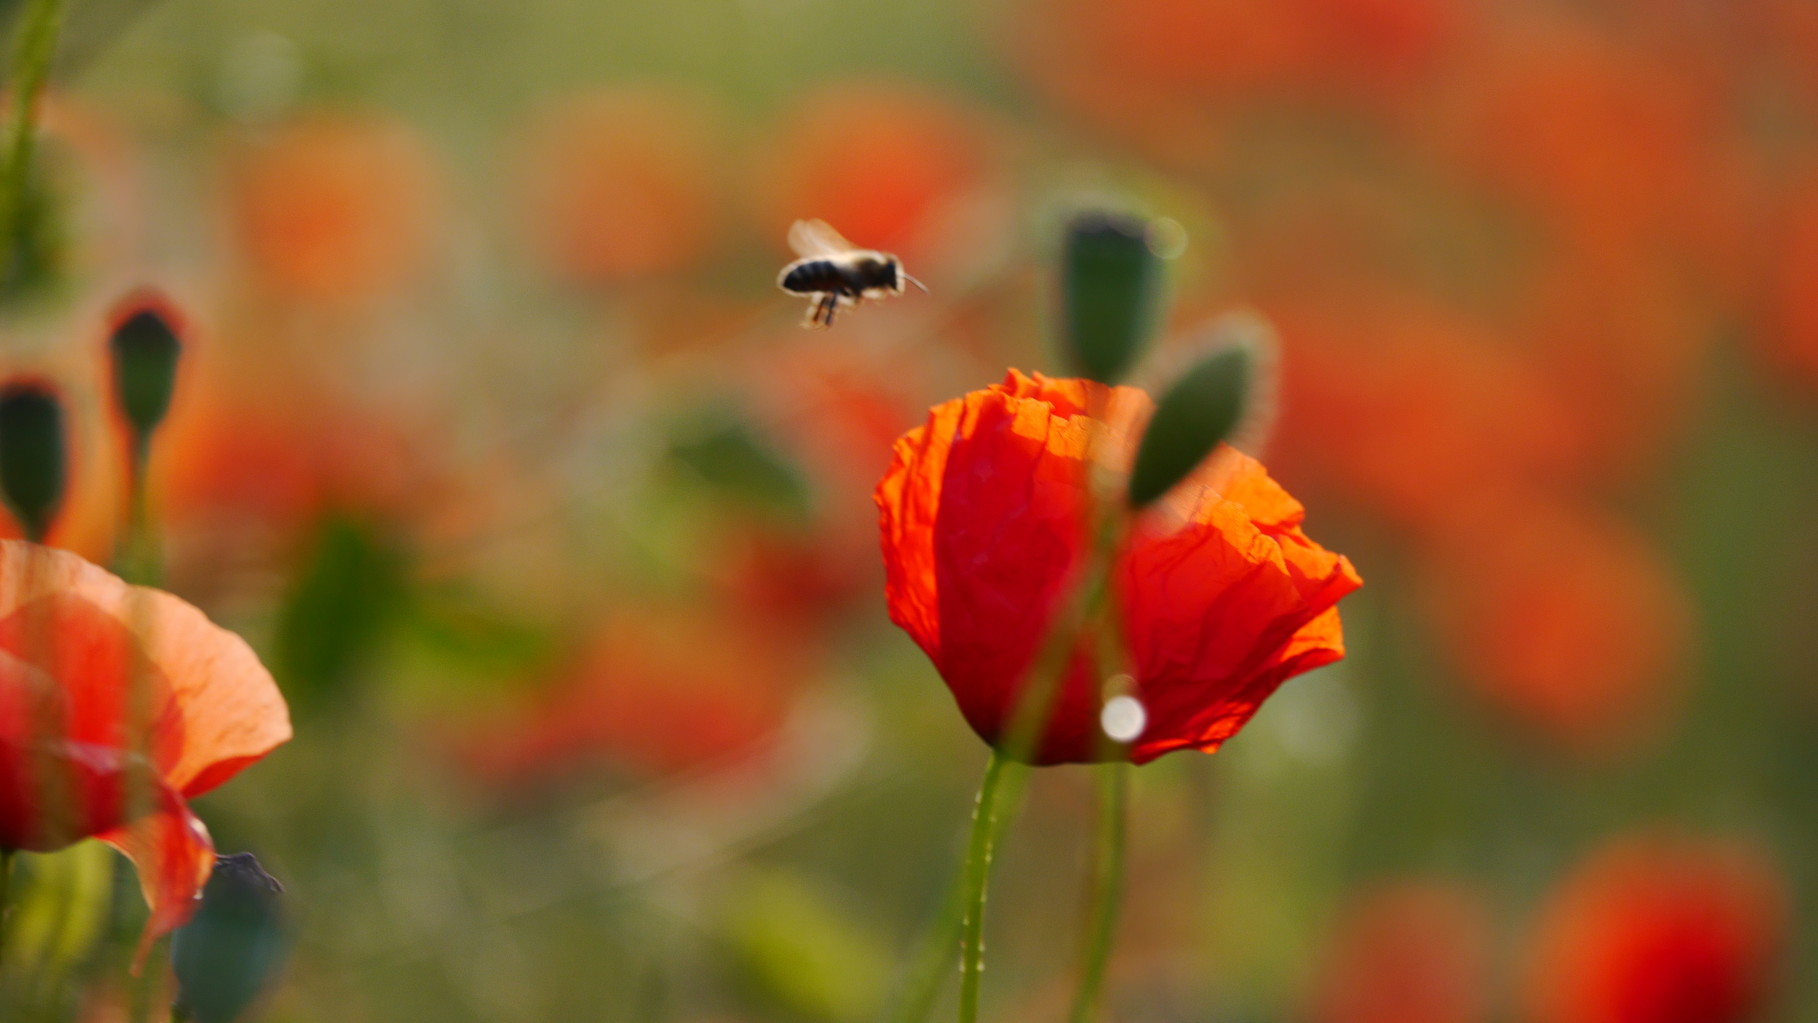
(1110, 291)
(337, 612)
(803, 951)
(1201, 409)
(61, 912)
(731, 457)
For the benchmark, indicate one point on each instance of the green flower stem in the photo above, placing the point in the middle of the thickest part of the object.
(38, 29)
(1107, 887)
(6, 891)
(987, 827)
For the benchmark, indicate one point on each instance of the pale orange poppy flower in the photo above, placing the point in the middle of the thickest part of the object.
(81, 654)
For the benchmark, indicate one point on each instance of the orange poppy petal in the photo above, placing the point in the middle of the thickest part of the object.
(173, 856)
(218, 707)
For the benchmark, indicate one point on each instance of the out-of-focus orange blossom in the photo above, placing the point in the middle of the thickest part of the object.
(1563, 618)
(333, 206)
(1623, 350)
(620, 184)
(652, 693)
(1409, 951)
(1408, 407)
(1609, 146)
(246, 463)
(1659, 929)
(889, 166)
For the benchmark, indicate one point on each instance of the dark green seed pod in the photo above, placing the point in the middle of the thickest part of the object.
(1110, 293)
(231, 950)
(32, 454)
(1202, 407)
(145, 348)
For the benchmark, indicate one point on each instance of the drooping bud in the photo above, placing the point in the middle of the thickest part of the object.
(1201, 409)
(32, 454)
(1110, 293)
(144, 346)
(231, 950)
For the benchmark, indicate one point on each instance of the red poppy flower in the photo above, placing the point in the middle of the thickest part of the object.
(1656, 930)
(81, 655)
(984, 514)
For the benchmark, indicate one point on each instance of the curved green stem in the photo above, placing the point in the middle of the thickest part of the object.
(1107, 888)
(986, 828)
(38, 29)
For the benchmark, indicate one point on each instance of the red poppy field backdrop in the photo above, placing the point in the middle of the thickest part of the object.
(414, 477)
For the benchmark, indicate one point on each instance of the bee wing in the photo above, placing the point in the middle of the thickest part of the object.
(811, 238)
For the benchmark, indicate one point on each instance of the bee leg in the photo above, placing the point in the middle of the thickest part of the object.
(823, 310)
(816, 312)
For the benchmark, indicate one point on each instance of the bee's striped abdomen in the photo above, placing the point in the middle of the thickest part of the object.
(813, 275)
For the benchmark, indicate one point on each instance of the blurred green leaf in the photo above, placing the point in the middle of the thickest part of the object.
(347, 595)
(804, 951)
(1201, 409)
(734, 459)
(34, 257)
(61, 911)
(1110, 293)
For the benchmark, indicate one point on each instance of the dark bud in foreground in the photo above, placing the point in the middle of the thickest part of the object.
(144, 348)
(1110, 291)
(31, 454)
(1203, 406)
(230, 951)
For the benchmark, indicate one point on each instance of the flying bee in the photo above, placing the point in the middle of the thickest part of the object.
(834, 273)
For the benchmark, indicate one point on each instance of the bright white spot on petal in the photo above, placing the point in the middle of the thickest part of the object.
(1123, 718)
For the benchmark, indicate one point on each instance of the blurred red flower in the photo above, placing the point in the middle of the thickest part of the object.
(651, 693)
(1411, 951)
(985, 512)
(888, 166)
(619, 184)
(1612, 147)
(82, 653)
(1570, 621)
(1408, 407)
(1653, 929)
